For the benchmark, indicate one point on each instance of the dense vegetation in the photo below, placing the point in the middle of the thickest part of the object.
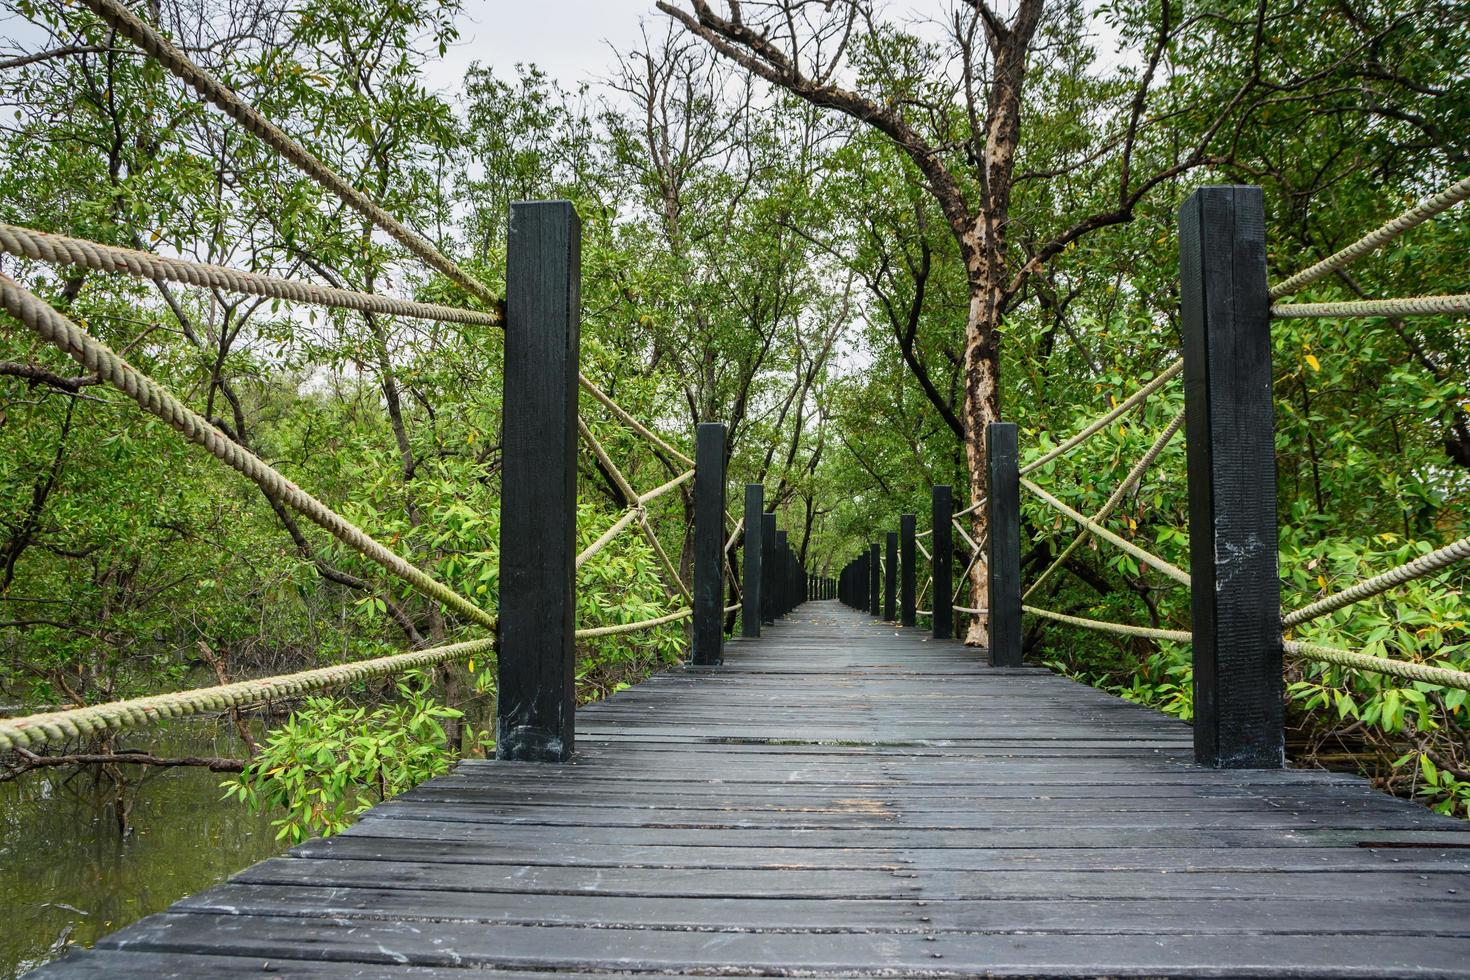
(801, 226)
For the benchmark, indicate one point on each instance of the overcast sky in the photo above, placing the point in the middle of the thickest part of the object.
(568, 39)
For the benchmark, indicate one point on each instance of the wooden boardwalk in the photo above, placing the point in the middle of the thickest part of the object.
(845, 798)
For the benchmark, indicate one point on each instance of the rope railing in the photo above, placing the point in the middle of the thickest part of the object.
(630, 421)
(1407, 306)
(1147, 558)
(1150, 632)
(63, 250)
(674, 583)
(57, 726)
(1407, 670)
(1377, 238)
(1420, 567)
(96, 357)
(1135, 475)
(1123, 407)
(621, 628)
(222, 97)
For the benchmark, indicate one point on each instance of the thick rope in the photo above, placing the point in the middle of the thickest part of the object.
(970, 509)
(629, 516)
(1417, 215)
(1173, 572)
(1129, 482)
(1418, 568)
(1176, 636)
(227, 101)
(1442, 676)
(972, 612)
(1409, 306)
(630, 421)
(646, 624)
(639, 514)
(62, 250)
(57, 726)
(968, 540)
(1137, 398)
(729, 609)
(101, 360)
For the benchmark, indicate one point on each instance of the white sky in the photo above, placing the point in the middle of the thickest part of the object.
(568, 39)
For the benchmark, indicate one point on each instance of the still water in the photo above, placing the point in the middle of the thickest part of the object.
(67, 877)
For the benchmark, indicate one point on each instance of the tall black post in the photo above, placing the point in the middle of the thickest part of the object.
(861, 593)
(875, 581)
(750, 596)
(538, 503)
(1003, 602)
(890, 577)
(768, 564)
(1235, 592)
(942, 541)
(708, 632)
(906, 526)
(783, 574)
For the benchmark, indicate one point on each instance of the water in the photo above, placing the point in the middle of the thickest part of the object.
(66, 876)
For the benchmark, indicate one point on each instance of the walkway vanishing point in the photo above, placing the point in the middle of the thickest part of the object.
(846, 798)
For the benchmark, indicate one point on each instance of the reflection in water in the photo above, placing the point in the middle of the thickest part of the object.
(67, 879)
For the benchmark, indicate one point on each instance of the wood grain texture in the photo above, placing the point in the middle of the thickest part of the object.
(538, 525)
(1003, 592)
(907, 525)
(751, 591)
(1236, 594)
(941, 548)
(707, 633)
(846, 798)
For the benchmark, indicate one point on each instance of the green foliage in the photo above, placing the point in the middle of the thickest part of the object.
(332, 760)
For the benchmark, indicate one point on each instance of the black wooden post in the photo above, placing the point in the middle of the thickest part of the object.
(768, 588)
(1236, 591)
(875, 581)
(1003, 602)
(783, 574)
(890, 577)
(708, 632)
(750, 597)
(906, 526)
(538, 503)
(942, 541)
(861, 592)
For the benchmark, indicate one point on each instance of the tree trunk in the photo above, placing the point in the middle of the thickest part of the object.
(982, 406)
